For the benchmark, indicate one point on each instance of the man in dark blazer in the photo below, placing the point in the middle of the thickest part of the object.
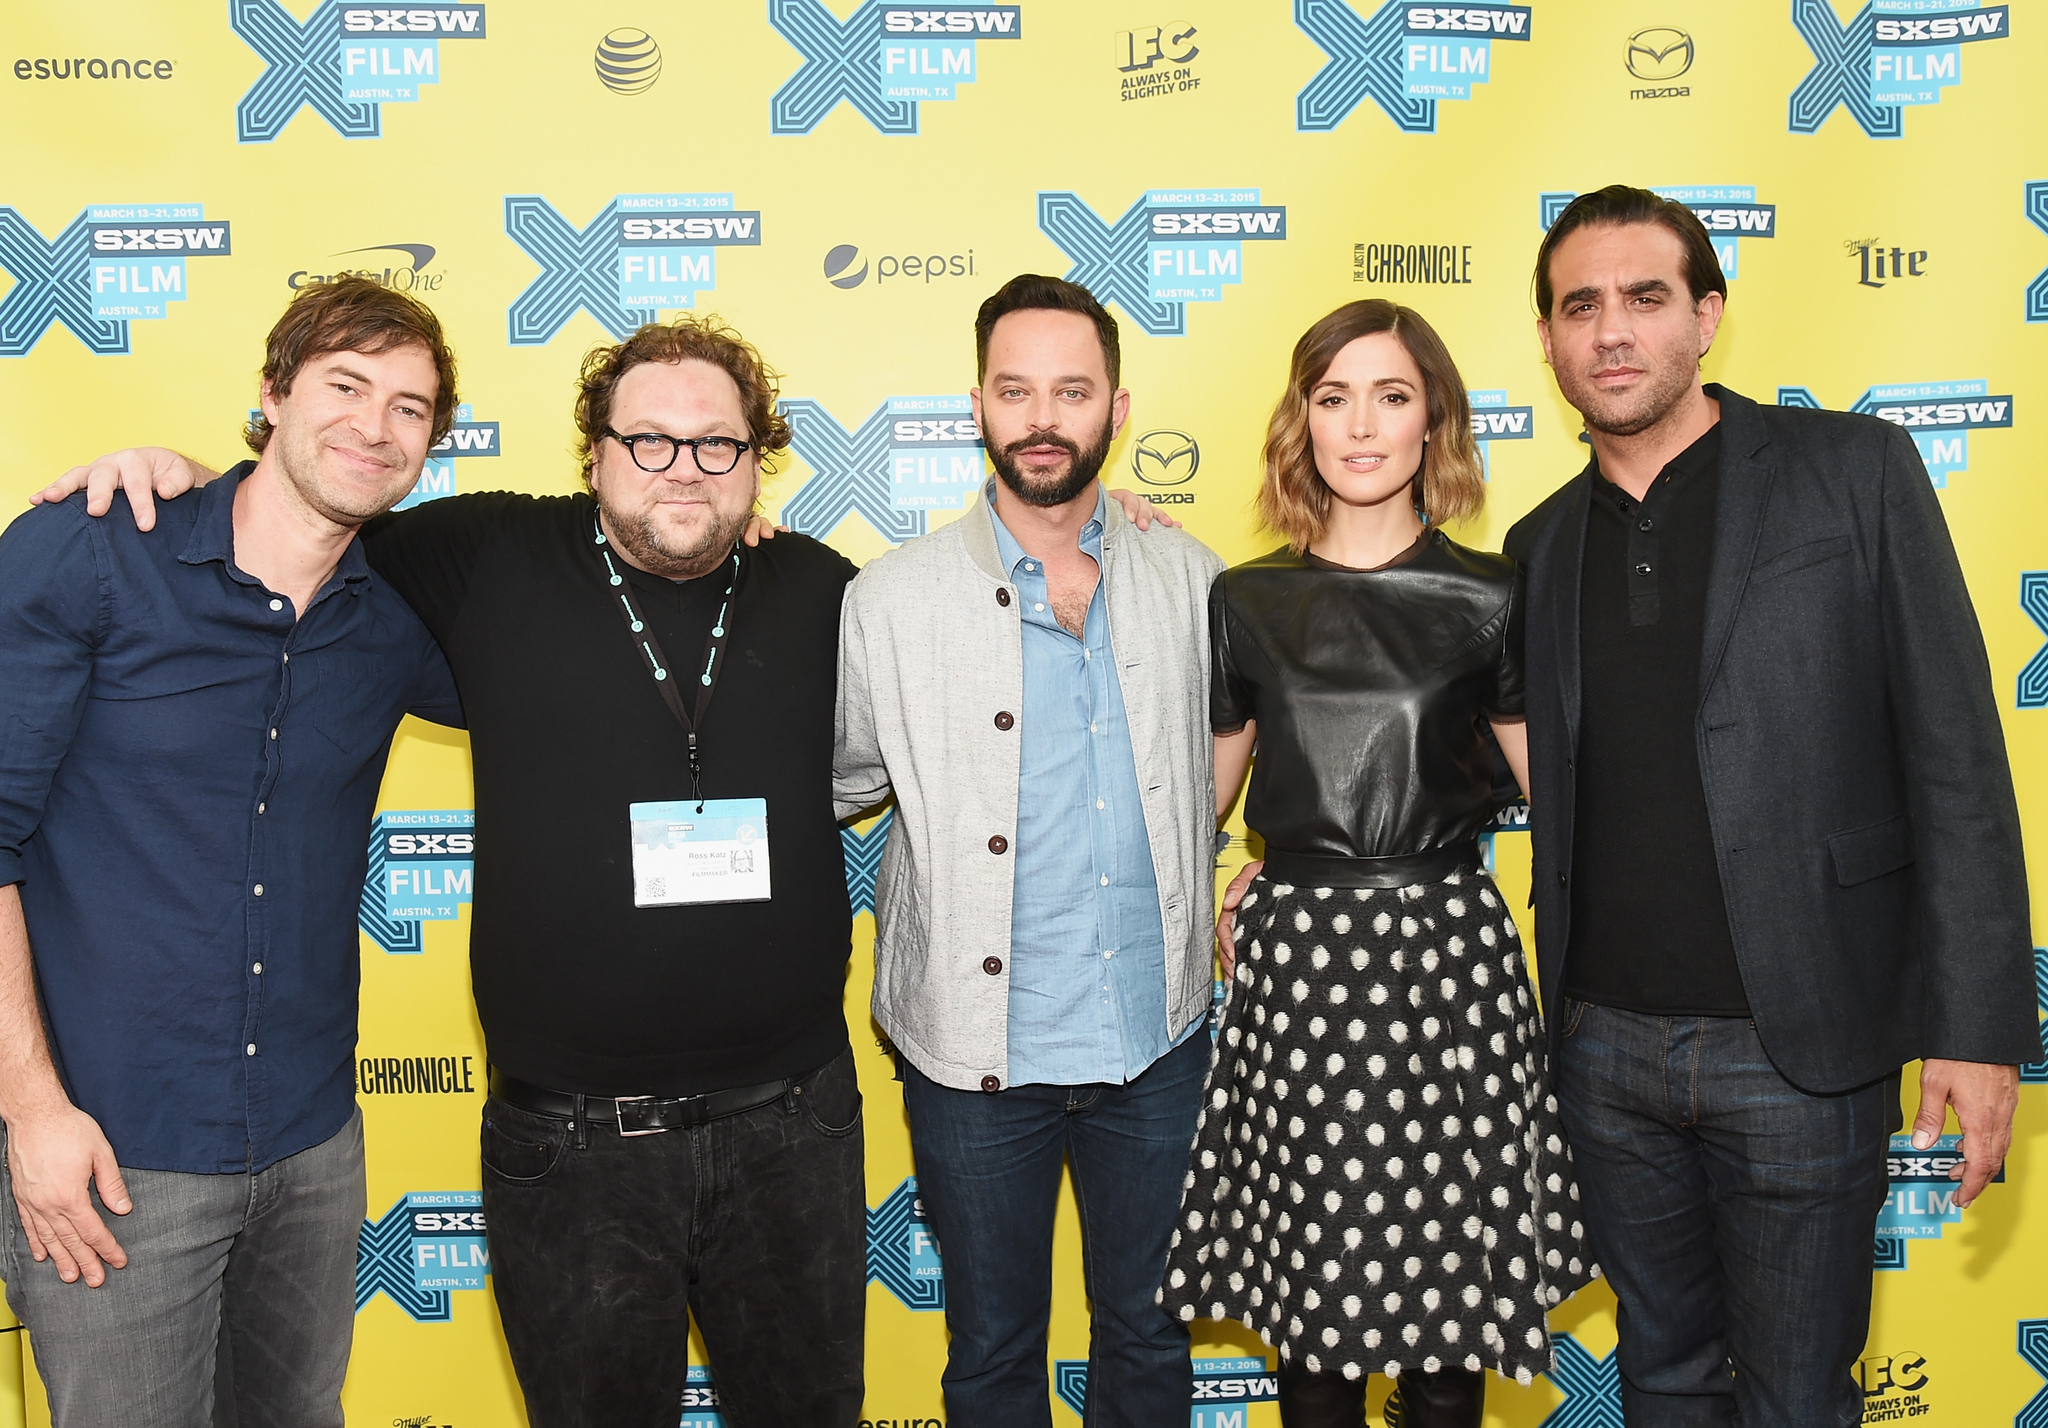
(1777, 853)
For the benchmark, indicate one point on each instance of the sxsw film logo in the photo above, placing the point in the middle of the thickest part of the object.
(643, 254)
(903, 1252)
(1404, 58)
(427, 1245)
(1224, 1389)
(343, 60)
(468, 437)
(1893, 54)
(1493, 419)
(421, 870)
(112, 265)
(2033, 682)
(1166, 458)
(1894, 1386)
(911, 455)
(1922, 1198)
(1939, 415)
(883, 59)
(1728, 212)
(1155, 61)
(1170, 248)
(2037, 214)
(700, 1400)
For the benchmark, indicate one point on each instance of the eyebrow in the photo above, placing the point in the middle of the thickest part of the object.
(1376, 382)
(337, 370)
(1074, 380)
(1639, 288)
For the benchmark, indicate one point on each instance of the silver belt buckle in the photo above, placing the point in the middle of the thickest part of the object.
(620, 1118)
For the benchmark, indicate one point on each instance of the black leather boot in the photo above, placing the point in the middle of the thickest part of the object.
(1320, 1400)
(1449, 1398)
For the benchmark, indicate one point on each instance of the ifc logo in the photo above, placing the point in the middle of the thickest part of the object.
(628, 61)
(1165, 458)
(839, 269)
(1658, 53)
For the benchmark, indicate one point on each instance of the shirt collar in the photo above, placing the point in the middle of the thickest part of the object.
(213, 532)
(1697, 460)
(1011, 553)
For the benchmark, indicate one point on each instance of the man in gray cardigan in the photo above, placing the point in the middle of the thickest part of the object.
(1032, 682)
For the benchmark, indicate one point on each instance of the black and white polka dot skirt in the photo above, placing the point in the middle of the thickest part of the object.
(1379, 1181)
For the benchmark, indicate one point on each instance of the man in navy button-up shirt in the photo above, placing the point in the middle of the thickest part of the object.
(194, 722)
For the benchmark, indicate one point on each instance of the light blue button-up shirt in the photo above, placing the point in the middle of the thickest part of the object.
(1087, 954)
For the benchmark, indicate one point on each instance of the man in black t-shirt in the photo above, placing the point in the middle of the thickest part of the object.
(661, 926)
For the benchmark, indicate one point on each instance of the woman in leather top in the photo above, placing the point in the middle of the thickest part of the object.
(1379, 1182)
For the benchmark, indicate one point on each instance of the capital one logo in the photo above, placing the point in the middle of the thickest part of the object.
(112, 265)
(343, 60)
(903, 1253)
(1728, 211)
(426, 1246)
(644, 253)
(1938, 415)
(1922, 1197)
(1893, 54)
(1170, 248)
(883, 59)
(1404, 58)
(422, 870)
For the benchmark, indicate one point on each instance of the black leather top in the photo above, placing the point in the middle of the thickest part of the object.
(1368, 687)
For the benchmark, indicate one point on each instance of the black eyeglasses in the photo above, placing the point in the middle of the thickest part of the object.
(653, 452)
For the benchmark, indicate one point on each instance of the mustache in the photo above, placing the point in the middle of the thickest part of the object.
(1051, 438)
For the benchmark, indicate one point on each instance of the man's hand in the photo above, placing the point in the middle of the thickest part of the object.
(144, 472)
(53, 1157)
(1141, 511)
(1985, 1096)
(760, 528)
(1226, 920)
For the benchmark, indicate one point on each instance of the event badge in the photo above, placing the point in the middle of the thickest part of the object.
(689, 852)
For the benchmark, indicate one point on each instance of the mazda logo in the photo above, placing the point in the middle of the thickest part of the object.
(1659, 53)
(840, 270)
(628, 61)
(1165, 458)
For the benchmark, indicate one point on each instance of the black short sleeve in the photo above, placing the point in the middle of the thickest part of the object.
(1505, 701)
(1230, 696)
(429, 553)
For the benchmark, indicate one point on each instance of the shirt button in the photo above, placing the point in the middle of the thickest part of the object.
(1040, 608)
(1645, 526)
(1105, 882)
(1099, 803)
(262, 807)
(1560, 879)
(990, 1083)
(273, 733)
(257, 969)
(287, 657)
(1029, 566)
(250, 1049)
(1002, 597)
(1643, 569)
(1107, 955)
(1005, 719)
(999, 844)
(259, 890)
(276, 605)
(992, 965)
(1091, 727)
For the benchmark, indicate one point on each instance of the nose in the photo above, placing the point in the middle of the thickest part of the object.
(1365, 422)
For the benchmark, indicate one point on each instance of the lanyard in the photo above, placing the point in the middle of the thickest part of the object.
(657, 662)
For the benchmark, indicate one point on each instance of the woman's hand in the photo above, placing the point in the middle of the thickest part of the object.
(1226, 920)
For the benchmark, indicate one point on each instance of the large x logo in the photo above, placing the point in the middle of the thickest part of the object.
(2037, 290)
(2034, 678)
(889, 1252)
(840, 62)
(850, 474)
(864, 861)
(383, 1266)
(2034, 1349)
(52, 283)
(575, 271)
(1841, 72)
(1592, 1388)
(2035, 1072)
(1365, 61)
(305, 68)
(1109, 259)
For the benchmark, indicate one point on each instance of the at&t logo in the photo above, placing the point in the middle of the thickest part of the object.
(1170, 248)
(1939, 415)
(112, 265)
(1404, 58)
(1729, 212)
(343, 60)
(883, 59)
(628, 61)
(1893, 54)
(424, 1248)
(422, 869)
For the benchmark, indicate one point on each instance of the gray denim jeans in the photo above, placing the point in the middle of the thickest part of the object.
(245, 1281)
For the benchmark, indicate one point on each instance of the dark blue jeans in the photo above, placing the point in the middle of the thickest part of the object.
(1733, 1213)
(988, 1171)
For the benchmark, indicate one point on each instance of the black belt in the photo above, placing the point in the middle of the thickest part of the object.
(1315, 870)
(638, 1115)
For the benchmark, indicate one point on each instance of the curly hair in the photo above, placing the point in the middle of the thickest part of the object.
(352, 314)
(1294, 500)
(689, 338)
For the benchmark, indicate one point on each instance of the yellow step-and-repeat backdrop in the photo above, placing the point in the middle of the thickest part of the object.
(845, 185)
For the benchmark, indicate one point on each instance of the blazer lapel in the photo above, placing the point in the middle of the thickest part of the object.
(1564, 563)
(1745, 477)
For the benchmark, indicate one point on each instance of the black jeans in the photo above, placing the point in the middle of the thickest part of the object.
(602, 1246)
(1734, 1214)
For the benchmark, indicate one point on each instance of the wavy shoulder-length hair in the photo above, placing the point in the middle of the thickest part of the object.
(1294, 501)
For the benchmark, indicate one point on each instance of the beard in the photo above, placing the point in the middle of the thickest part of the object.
(1628, 414)
(299, 452)
(659, 551)
(1047, 489)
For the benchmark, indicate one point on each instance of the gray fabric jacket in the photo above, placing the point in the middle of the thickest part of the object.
(930, 652)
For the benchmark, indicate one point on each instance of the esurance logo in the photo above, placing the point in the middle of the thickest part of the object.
(344, 61)
(903, 1253)
(911, 455)
(425, 1247)
(1938, 415)
(884, 60)
(112, 265)
(467, 438)
(1224, 1389)
(1404, 58)
(1170, 248)
(1729, 212)
(422, 869)
(1922, 1197)
(1892, 55)
(644, 253)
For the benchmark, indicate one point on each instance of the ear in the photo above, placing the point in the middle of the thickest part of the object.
(1119, 411)
(268, 402)
(974, 402)
(1543, 337)
(1709, 310)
